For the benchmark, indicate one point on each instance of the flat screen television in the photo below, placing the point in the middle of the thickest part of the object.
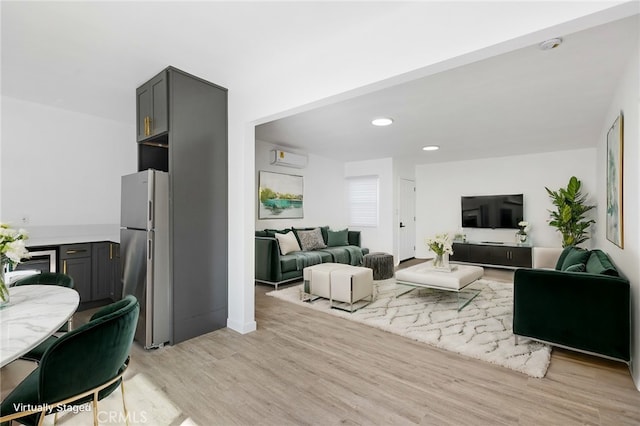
(492, 211)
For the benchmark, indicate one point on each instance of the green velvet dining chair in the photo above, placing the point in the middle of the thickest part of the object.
(46, 278)
(83, 365)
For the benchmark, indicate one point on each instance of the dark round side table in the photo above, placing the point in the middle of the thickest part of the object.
(381, 263)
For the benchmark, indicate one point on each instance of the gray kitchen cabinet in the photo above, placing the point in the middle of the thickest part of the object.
(152, 109)
(105, 271)
(75, 261)
(116, 272)
(95, 269)
(194, 152)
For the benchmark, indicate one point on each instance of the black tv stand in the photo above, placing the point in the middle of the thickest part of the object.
(492, 253)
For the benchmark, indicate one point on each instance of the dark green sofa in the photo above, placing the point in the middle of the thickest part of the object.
(273, 268)
(582, 305)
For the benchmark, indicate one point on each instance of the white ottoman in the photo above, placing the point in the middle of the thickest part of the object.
(317, 278)
(424, 275)
(349, 285)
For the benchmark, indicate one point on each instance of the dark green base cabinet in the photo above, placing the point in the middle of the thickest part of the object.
(506, 256)
(95, 269)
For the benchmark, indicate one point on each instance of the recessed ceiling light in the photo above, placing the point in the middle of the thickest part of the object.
(430, 148)
(550, 44)
(383, 121)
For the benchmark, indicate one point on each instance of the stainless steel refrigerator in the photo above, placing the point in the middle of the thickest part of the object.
(144, 252)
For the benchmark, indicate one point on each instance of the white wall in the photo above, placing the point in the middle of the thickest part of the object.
(342, 63)
(61, 167)
(323, 185)
(625, 99)
(378, 238)
(439, 187)
(422, 38)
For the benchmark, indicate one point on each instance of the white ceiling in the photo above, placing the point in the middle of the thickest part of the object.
(89, 56)
(524, 101)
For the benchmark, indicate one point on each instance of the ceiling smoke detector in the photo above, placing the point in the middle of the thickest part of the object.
(550, 44)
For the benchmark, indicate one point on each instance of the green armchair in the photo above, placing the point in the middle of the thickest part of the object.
(583, 305)
(83, 365)
(46, 278)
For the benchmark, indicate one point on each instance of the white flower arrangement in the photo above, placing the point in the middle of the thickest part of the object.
(12, 243)
(440, 244)
(525, 227)
(12, 250)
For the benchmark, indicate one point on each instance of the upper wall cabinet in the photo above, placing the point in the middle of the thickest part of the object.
(194, 150)
(152, 109)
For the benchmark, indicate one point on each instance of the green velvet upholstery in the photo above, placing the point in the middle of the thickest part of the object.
(574, 256)
(599, 263)
(578, 267)
(45, 278)
(273, 268)
(578, 310)
(338, 238)
(562, 256)
(80, 360)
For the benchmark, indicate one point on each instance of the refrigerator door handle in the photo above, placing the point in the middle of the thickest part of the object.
(150, 215)
(150, 292)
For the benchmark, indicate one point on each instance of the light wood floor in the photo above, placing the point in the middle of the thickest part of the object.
(303, 367)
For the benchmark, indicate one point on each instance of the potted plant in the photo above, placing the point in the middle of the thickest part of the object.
(569, 218)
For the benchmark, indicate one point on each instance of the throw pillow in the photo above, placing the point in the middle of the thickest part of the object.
(599, 263)
(311, 240)
(563, 255)
(287, 242)
(273, 232)
(338, 238)
(574, 257)
(578, 267)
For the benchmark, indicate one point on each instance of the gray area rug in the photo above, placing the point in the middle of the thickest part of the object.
(482, 330)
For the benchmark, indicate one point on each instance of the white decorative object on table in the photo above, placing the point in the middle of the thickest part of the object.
(523, 233)
(12, 251)
(441, 246)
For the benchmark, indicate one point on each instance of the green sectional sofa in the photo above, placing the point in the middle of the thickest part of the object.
(274, 268)
(582, 304)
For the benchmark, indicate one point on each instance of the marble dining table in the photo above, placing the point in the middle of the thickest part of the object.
(34, 313)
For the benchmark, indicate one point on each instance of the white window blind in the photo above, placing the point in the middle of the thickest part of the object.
(363, 201)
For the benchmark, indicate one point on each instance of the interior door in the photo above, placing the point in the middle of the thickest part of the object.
(407, 218)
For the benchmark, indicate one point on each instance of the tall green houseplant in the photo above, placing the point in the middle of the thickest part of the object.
(569, 218)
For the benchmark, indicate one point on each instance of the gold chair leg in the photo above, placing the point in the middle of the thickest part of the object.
(95, 408)
(124, 404)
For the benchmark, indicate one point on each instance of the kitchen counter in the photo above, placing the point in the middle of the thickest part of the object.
(71, 234)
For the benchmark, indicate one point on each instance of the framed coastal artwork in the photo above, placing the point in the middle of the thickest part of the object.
(280, 196)
(615, 220)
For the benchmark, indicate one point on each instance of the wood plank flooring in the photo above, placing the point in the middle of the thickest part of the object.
(303, 367)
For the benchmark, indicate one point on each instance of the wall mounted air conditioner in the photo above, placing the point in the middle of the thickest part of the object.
(288, 159)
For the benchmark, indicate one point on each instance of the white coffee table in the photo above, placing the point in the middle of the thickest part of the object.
(424, 275)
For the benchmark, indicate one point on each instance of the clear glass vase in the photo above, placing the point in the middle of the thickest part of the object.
(4, 289)
(441, 261)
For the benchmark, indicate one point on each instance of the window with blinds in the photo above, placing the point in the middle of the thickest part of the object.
(363, 201)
